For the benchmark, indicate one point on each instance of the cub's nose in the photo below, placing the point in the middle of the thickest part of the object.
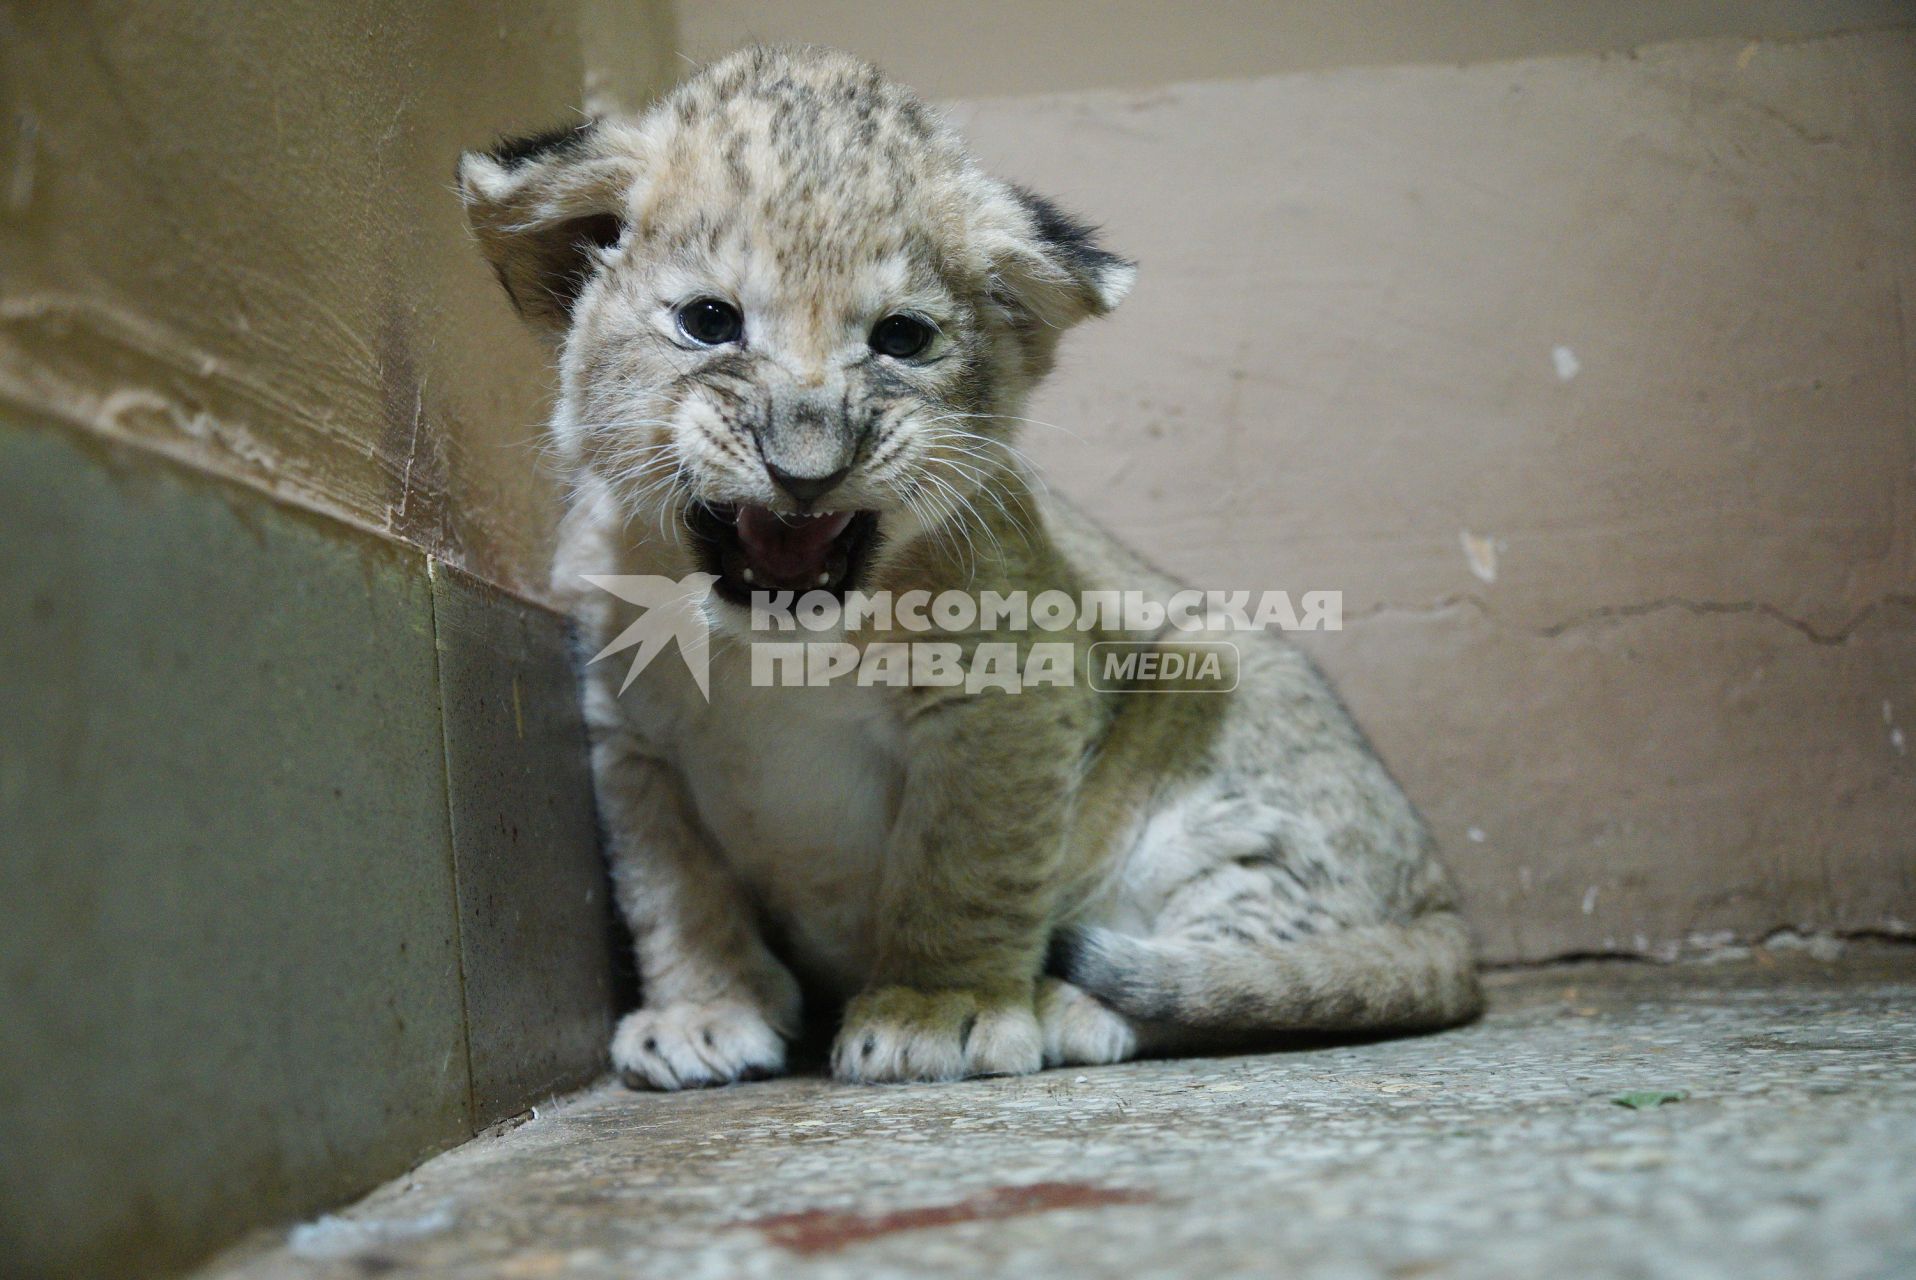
(806, 488)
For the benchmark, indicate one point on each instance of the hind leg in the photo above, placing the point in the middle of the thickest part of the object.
(1278, 882)
(1246, 919)
(1081, 1030)
(1196, 868)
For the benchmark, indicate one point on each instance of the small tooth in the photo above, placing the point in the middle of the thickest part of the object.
(824, 578)
(748, 575)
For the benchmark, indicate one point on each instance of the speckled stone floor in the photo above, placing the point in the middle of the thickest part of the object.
(1497, 1150)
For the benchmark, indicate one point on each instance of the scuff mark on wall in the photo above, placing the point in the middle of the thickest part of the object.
(411, 444)
(20, 167)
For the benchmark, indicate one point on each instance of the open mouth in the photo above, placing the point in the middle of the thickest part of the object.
(753, 548)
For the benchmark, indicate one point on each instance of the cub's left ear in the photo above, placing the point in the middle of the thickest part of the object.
(1052, 263)
(544, 209)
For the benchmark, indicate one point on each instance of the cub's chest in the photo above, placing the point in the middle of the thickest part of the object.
(800, 788)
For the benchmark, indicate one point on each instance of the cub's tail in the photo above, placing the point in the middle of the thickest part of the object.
(1385, 977)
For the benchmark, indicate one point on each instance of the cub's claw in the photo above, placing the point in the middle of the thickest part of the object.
(690, 1046)
(896, 1033)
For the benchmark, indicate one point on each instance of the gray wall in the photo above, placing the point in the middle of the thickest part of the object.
(299, 879)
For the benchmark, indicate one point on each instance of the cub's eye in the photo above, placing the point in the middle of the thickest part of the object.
(901, 337)
(711, 323)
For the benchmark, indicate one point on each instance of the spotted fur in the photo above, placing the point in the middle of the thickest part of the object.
(1199, 870)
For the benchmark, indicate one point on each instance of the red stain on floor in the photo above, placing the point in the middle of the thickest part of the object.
(828, 1230)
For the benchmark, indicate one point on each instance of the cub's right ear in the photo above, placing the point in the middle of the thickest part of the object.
(545, 208)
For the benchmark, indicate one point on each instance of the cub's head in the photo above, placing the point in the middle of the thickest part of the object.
(793, 316)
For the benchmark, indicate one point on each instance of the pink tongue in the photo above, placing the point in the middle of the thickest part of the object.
(788, 549)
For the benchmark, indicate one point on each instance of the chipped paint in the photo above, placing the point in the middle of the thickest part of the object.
(1480, 553)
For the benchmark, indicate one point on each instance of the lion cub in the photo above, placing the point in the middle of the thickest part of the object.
(795, 326)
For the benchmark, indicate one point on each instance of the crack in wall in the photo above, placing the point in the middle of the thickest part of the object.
(1705, 608)
(1444, 604)
(1662, 604)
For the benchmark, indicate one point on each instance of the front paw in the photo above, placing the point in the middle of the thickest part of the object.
(689, 1046)
(898, 1033)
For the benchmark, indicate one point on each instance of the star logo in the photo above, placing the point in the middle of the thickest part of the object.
(674, 609)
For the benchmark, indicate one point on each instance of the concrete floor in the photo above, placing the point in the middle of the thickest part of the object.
(1492, 1151)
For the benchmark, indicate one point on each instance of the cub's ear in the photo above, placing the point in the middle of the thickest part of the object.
(545, 208)
(1050, 263)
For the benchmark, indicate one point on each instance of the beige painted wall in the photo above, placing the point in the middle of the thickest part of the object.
(1681, 702)
(227, 231)
(990, 47)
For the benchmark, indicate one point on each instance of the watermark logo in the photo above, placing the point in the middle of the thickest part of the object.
(1152, 666)
(1177, 649)
(674, 610)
